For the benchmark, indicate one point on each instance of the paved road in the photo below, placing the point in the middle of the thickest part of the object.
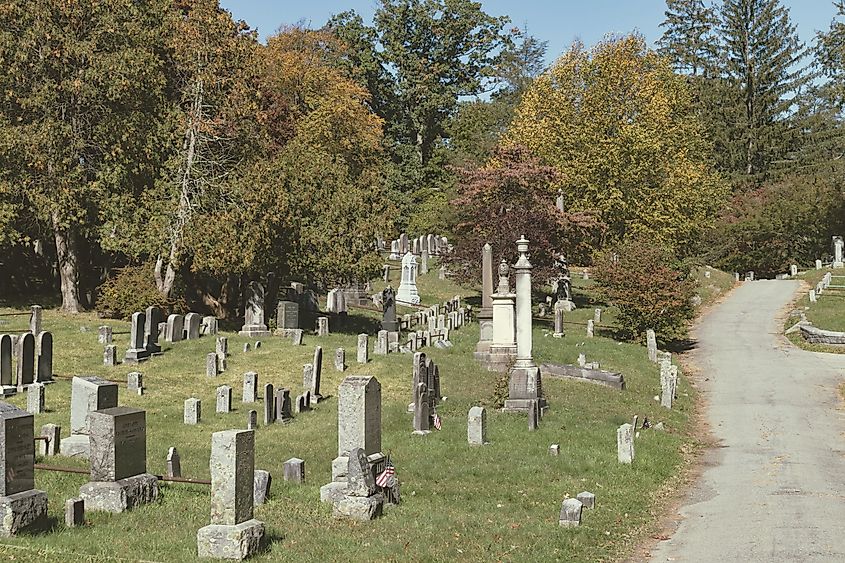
(775, 489)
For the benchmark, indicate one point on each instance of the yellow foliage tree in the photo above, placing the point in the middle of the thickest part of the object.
(620, 128)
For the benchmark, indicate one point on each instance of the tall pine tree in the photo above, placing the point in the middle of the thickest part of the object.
(689, 39)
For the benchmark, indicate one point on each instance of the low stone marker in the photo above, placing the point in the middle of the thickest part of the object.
(269, 405)
(134, 381)
(296, 336)
(625, 444)
(261, 486)
(174, 463)
(813, 298)
(193, 411)
(233, 532)
(363, 349)
(35, 313)
(246, 347)
(88, 394)
(533, 415)
(250, 394)
(74, 512)
(119, 478)
(104, 334)
(44, 356)
(570, 513)
(422, 416)
(284, 412)
(381, 344)
(477, 426)
(597, 316)
(554, 449)
(35, 398)
(587, 499)
(252, 420)
(110, 355)
(651, 342)
(322, 326)
(211, 364)
(590, 328)
(294, 470)
(192, 326)
(224, 399)
(339, 360)
(21, 504)
(52, 445)
(222, 350)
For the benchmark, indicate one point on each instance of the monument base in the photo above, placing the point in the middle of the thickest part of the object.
(838, 265)
(253, 331)
(136, 356)
(524, 386)
(390, 326)
(332, 492)
(524, 405)
(20, 510)
(75, 445)
(237, 542)
(121, 495)
(362, 509)
(498, 358)
(8, 390)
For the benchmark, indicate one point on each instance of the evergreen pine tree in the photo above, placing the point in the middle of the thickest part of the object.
(689, 38)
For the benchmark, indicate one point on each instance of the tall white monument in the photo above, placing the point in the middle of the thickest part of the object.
(837, 252)
(525, 385)
(503, 345)
(408, 286)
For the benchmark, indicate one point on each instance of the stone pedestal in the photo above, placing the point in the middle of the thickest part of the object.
(121, 495)
(219, 541)
(408, 286)
(20, 510)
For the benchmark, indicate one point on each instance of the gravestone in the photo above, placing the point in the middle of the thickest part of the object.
(284, 409)
(651, 342)
(339, 360)
(407, 292)
(322, 326)
(503, 346)
(287, 315)
(119, 478)
(317, 376)
(424, 256)
(381, 343)
(233, 532)
(838, 252)
(422, 417)
(625, 443)
(134, 381)
(52, 445)
(477, 426)
(363, 349)
(209, 326)
(261, 483)
(44, 354)
(104, 334)
(137, 352)
(269, 405)
(388, 300)
(193, 411)
(35, 313)
(211, 364)
(246, 347)
(88, 394)
(570, 513)
(110, 355)
(6, 375)
(21, 504)
(597, 316)
(587, 499)
(254, 325)
(559, 310)
(294, 470)
(533, 415)
(25, 357)
(303, 402)
(554, 450)
(224, 399)
(250, 394)
(192, 326)
(590, 328)
(252, 420)
(818, 265)
(361, 501)
(174, 463)
(74, 512)
(296, 336)
(35, 398)
(154, 318)
(222, 351)
(174, 331)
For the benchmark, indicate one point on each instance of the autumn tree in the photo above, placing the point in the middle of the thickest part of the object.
(620, 129)
(80, 85)
(506, 198)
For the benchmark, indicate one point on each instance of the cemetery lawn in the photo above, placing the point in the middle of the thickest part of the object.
(827, 313)
(496, 502)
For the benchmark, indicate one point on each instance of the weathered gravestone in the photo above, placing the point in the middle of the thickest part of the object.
(175, 329)
(233, 532)
(262, 480)
(339, 360)
(222, 351)
(284, 411)
(52, 444)
(224, 399)
(192, 326)
(407, 292)
(44, 355)
(35, 398)
(6, 376)
(322, 326)
(651, 342)
(388, 300)
(137, 352)
(252, 420)
(209, 326)
(21, 505)
(294, 470)
(110, 355)
(587, 499)
(254, 311)
(154, 317)
(174, 463)
(134, 381)
(269, 405)
(25, 360)
(361, 500)
(381, 343)
(570, 513)
(625, 443)
(193, 411)
(363, 349)
(88, 394)
(287, 315)
(104, 334)
(250, 394)
(422, 416)
(118, 455)
(477, 426)
(313, 387)
(211, 364)
(74, 512)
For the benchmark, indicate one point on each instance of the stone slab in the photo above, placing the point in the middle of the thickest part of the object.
(120, 496)
(22, 510)
(614, 380)
(236, 542)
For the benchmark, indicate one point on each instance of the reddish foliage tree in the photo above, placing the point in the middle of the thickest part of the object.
(507, 198)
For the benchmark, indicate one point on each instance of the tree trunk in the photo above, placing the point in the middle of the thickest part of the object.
(68, 260)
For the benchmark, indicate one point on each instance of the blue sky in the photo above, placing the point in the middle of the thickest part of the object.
(557, 21)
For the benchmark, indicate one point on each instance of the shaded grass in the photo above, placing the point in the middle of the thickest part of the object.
(497, 502)
(827, 313)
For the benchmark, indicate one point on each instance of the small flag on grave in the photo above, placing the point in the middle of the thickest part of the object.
(437, 422)
(388, 476)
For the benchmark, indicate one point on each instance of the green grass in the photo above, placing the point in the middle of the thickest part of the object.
(827, 313)
(497, 502)
(713, 288)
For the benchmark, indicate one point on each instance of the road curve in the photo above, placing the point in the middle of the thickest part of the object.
(775, 488)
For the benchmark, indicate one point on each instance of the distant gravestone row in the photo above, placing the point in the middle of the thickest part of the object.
(26, 358)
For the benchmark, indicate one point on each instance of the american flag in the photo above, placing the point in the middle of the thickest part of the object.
(437, 422)
(387, 477)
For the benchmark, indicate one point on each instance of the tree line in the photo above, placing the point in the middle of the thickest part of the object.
(162, 142)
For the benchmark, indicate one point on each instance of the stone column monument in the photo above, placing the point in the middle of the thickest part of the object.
(254, 324)
(503, 345)
(837, 252)
(525, 385)
(407, 292)
(485, 315)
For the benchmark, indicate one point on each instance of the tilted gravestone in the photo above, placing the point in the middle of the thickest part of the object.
(137, 351)
(233, 532)
(20, 503)
(118, 454)
(88, 394)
